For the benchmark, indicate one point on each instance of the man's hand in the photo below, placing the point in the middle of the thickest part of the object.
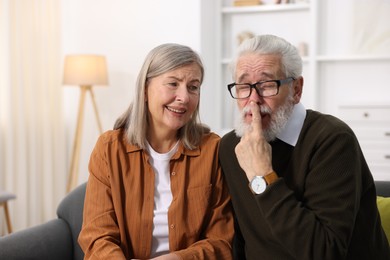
(253, 151)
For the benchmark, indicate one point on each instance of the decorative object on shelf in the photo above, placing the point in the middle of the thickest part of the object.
(283, 1)
(277, 2)
(242, 36)
(84, 71)
(246, 2)
(303, 49)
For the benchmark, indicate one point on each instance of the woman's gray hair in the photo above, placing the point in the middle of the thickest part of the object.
(270, 44)
(161, 59)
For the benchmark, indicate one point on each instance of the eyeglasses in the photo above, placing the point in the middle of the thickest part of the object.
(266, 88)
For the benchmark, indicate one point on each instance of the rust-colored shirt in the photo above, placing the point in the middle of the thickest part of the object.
(119, 202)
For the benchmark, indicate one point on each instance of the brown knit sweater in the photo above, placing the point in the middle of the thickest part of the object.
(322, 207)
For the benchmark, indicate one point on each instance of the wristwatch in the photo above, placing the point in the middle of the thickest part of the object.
(259, 183)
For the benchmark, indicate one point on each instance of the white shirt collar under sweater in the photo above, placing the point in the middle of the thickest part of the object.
(293, 127)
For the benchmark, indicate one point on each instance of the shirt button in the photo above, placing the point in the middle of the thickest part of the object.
(172, 226)
(173, 173)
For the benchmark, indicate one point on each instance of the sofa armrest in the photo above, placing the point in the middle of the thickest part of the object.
(382, 188)
(71, 210)
(51, 240)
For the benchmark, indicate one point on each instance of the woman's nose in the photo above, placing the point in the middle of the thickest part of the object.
(182, 94)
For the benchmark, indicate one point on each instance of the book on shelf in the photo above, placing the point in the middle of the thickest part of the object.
(246, 2)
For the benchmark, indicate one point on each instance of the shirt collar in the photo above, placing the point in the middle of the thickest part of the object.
(180, 150)
(293, 127)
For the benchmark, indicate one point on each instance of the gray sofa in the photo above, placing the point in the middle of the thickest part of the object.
(383, 188)
(57, 239)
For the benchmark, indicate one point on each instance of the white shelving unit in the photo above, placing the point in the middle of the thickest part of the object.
(371, 124)
(263, 19)
(346, 62)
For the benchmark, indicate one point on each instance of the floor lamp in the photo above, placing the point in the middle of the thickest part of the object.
(84, 71)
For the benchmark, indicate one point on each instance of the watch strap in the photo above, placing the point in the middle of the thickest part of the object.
(270, 178)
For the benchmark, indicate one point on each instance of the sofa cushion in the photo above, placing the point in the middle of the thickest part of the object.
(51, 240)
(384, 211)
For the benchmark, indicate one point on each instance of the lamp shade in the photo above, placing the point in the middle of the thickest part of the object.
(85, 70)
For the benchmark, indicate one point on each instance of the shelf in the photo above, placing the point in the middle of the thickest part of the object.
(266, 8)
(336, 58)
(364, 105)
(336, 73)
(226, 61)
(348, 58)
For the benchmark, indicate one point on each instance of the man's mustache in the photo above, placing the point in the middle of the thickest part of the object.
(264, 110)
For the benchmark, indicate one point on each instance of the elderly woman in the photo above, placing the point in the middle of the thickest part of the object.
(155, 189)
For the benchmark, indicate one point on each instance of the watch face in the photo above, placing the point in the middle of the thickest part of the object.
(258, 185)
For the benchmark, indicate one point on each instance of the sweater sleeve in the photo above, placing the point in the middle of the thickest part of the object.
(99, 237)
(318, 221)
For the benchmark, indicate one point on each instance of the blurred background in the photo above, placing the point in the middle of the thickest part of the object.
(345, 47)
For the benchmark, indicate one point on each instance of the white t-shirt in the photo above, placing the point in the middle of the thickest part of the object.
(162, 199)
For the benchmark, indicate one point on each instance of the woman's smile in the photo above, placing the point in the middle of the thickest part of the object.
(176, 110)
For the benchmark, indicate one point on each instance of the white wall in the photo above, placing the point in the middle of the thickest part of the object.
(124, 31)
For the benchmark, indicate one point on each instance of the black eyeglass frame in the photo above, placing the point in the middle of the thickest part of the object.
(279, 82)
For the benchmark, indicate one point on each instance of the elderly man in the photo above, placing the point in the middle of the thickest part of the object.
(300, 186)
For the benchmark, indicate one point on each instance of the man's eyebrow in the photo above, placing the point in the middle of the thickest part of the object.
(242, 77)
